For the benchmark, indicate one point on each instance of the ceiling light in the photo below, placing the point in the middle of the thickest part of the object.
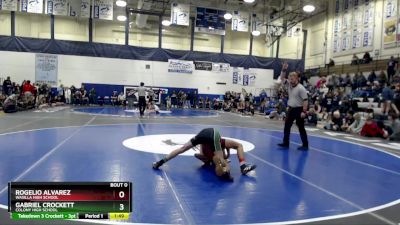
(228, 16)
(249, 1)
(256, 33)
(166, 23)
(120, 3)
(121, 18)
(309, 8)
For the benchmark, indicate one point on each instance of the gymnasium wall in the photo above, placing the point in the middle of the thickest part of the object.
(74, 70)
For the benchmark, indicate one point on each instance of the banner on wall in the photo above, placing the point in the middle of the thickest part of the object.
(46, 69)
(245, 79)
(390, 9)
(357, 38)
(103, 9)
(345, 42)
(367, 36)
(85, 9)
(180, 14)
(389, 33)
(30, 6)
(237, 75)
(336, 44)
(9, 5)
(369, 13)
(57, 7)
(220, 67)
(251, 77)
(240, 21)
(346, 23)
(346, 5)
(337, 7)
(337, 26)
(358, 18)
(202, 65)
(180, 66)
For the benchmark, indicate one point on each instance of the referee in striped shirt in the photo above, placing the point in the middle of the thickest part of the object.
(142, 98)
(298, 106)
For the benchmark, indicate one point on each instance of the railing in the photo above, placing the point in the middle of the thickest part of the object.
(343, 68)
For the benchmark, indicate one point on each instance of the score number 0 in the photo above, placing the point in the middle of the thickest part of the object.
(121, 194)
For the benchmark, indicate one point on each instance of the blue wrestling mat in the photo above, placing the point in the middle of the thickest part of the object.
(333, 179)
(122, 112)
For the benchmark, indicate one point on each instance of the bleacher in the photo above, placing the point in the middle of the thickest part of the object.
(344, 68)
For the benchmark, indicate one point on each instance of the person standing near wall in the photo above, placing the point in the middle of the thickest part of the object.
(391, 68)
(142, 98)
(297, 107)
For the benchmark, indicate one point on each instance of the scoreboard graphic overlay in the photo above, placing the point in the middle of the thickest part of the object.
(69, 200)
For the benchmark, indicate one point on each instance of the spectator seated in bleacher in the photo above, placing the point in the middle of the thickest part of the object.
(371, 129)
(78, 97)
(336, 122)
(396, 79)
(279, 112)
(27, 101)
(357, 125)
(240, 107)
(312, 118)
(348, 120)
(330, 64)
(10, 104)
(372, 77)
(355, 60)
(367, 58)
(227, 107)
(382, 78)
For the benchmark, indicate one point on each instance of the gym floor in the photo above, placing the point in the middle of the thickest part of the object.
(342, 179)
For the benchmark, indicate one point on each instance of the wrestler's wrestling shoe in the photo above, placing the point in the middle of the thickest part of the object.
(245, 168)
(157, 164)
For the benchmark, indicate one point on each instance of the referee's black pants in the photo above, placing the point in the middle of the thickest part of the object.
(142, 104)
(292, 115)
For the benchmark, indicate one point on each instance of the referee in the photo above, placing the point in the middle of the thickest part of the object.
(298, 105)
(142, 98)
